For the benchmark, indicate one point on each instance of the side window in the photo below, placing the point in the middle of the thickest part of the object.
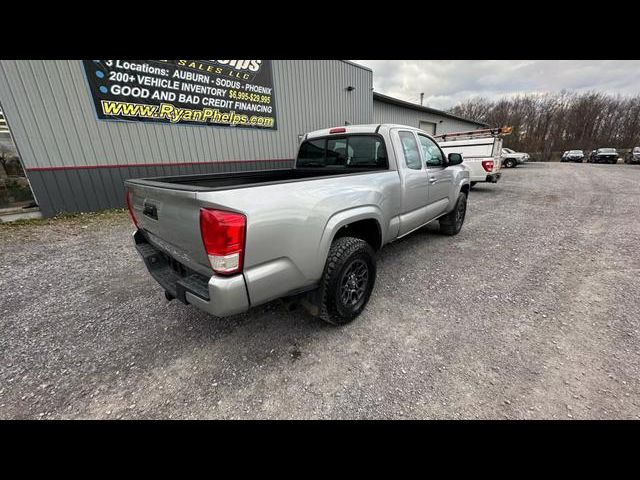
(410, 150)
(431, 152)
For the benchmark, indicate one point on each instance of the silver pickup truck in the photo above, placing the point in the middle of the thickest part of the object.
(227, 242)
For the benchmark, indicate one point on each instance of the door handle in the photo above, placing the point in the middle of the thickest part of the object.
(432, 180)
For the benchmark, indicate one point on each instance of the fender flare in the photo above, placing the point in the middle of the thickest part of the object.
(463, 181)
(460, 182)
(339, 220)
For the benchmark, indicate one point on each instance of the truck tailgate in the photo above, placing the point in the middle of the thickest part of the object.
(170, 219)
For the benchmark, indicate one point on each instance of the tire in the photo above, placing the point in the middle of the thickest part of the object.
(451, 223)
(509, 163)
(348, 280)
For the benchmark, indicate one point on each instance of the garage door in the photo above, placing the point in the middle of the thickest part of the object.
(428, 127)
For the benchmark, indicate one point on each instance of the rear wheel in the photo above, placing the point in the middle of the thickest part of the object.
(348, 279)
(451, 223)
(509, 163)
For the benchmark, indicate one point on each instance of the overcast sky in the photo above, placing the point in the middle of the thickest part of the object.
(447, 82)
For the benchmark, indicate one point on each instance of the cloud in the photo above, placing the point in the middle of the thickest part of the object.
(447, 82)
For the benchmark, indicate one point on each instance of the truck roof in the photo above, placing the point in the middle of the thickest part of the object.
(364, 128)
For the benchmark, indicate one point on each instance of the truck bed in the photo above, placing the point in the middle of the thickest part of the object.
(225, 181)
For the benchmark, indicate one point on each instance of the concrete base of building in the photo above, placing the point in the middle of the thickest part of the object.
(12, 217)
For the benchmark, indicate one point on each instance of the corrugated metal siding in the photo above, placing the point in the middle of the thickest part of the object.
(388, 113)
(113, 181)
(49, 110)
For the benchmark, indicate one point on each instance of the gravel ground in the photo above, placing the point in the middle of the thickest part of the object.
(532, 311)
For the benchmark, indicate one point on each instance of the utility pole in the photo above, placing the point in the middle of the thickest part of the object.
(421, 98)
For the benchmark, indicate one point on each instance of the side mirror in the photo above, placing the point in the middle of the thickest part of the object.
(455, 159)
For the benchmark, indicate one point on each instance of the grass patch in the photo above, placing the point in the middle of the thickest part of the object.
(69, 218)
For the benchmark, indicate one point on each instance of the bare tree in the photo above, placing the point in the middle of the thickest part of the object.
(547, 123)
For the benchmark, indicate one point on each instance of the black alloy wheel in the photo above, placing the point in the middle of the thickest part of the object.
(353, 284)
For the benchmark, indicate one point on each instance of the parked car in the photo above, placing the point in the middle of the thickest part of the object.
(227, 242)
(573, 156)
(604, 155)
(511, 158)
(633, 156)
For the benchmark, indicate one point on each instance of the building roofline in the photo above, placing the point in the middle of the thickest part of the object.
(357, 65)
(401, 103)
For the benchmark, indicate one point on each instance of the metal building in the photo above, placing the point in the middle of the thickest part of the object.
(392, 110)
(76, 161)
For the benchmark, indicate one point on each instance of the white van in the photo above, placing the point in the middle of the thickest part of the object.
(480, 149)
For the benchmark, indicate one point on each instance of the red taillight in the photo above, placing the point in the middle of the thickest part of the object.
(487, 165)
(223, 238)
(337, 130)
(130, 207)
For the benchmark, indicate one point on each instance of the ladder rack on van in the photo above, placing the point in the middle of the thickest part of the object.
(474, 134)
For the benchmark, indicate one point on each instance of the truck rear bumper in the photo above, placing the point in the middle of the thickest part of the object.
(483, 176)
(217, 295)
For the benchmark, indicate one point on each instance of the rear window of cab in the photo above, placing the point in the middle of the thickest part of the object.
(344, 151)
